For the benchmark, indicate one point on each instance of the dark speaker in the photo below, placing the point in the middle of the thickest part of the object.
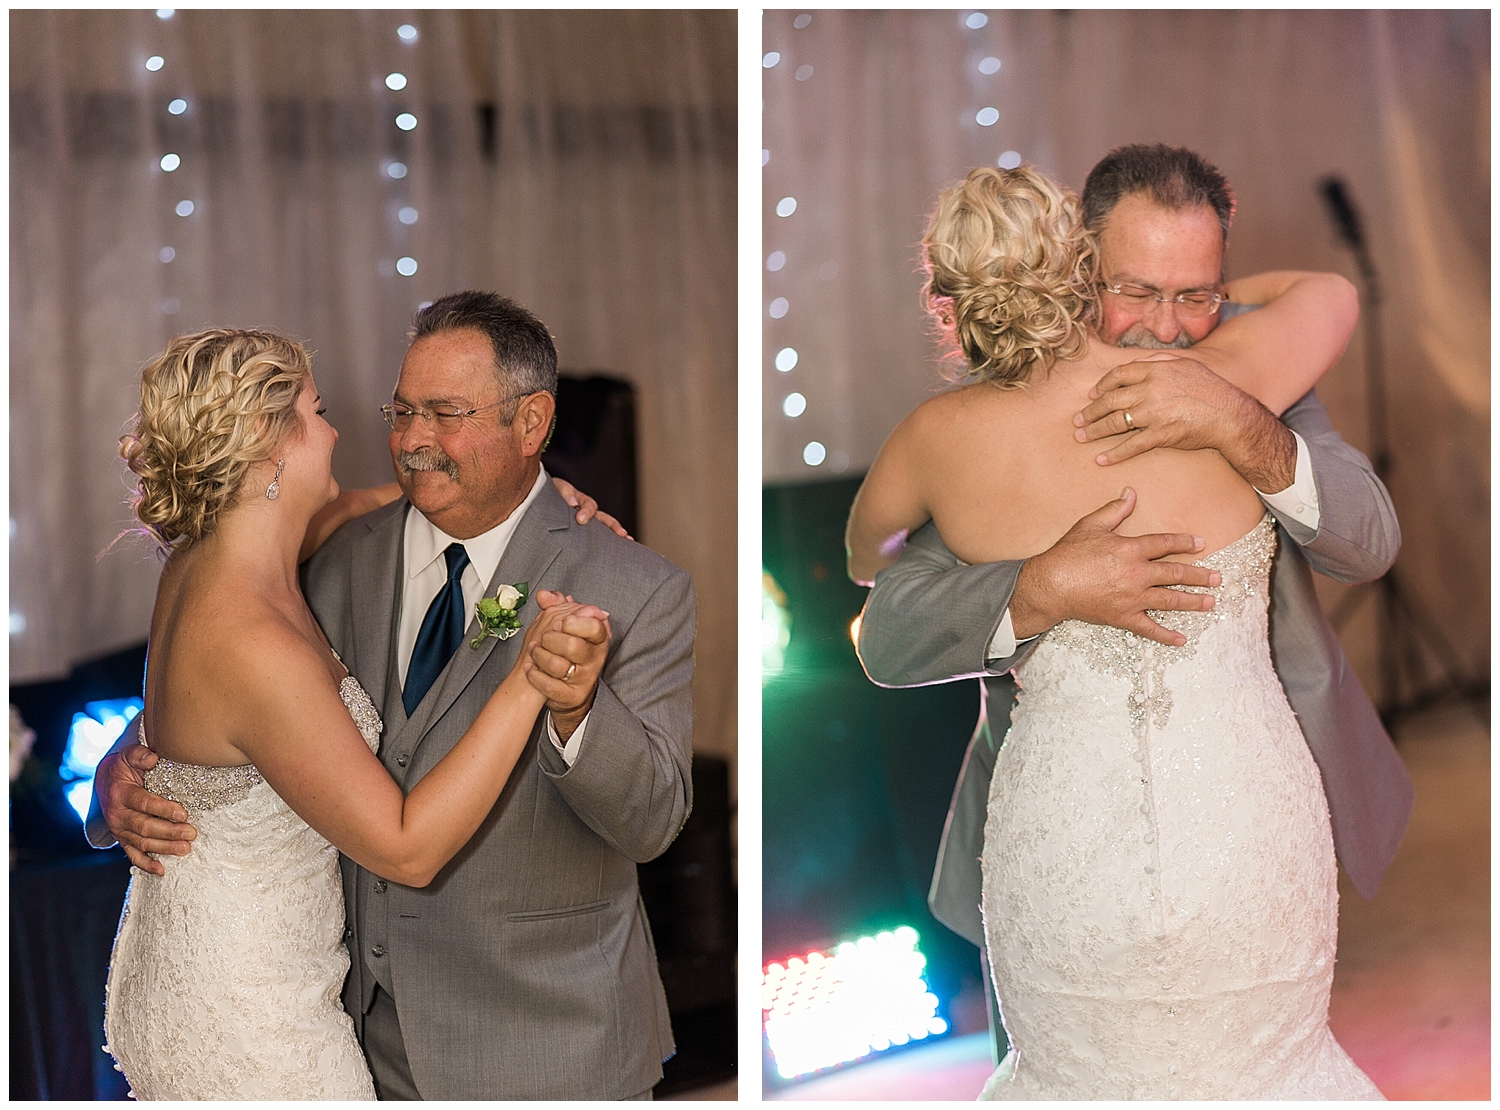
(593, 443)
(690, 901)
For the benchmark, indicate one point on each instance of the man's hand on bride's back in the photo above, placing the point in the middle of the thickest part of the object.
(1094, 574)
(141, 821)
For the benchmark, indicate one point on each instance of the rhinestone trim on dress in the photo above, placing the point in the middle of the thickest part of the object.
(1126, 655)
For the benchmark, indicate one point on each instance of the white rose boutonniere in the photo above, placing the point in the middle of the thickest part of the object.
(497, 615)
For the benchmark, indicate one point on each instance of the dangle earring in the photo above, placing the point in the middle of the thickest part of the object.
(274, 489)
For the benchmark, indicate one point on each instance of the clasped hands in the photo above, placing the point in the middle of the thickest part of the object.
(563, 654)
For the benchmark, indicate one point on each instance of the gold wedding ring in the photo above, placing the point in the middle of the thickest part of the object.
(571, 668)
(1129, 422)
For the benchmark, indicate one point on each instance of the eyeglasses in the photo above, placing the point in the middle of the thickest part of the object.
(1188, 304)
(443, 418)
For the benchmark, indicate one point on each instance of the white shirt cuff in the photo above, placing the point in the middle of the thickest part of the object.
(1300, 499)
(1003, 642)
(568, 751)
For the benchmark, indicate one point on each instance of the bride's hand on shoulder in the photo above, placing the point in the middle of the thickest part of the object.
(563, 655)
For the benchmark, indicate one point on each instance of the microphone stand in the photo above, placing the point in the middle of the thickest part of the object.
(1403, 627)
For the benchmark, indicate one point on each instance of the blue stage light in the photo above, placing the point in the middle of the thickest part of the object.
(93, 733)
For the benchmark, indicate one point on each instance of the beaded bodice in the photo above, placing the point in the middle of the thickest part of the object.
(1244, 567)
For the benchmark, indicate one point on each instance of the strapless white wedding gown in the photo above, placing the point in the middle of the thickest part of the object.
(1160, 893)
(226, 973)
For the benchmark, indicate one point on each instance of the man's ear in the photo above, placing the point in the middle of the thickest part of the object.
(534, 421)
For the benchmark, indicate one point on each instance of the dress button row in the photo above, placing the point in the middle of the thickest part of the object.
(378, 951)
(379, 886)
(401, 761)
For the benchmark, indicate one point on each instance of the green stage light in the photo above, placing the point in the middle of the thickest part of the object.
(775, 628)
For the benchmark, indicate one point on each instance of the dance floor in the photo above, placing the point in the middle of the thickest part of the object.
(1411, 993)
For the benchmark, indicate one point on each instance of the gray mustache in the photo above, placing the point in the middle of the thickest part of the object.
(409, 461)
(1140, 337)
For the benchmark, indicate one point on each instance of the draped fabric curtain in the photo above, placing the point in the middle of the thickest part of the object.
(869, 114)
(580, 162)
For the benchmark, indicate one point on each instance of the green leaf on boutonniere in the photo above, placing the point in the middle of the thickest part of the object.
(498, 615)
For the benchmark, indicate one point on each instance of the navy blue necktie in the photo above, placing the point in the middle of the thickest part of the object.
(442, 631)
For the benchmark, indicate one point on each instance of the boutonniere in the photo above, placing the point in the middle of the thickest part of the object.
(497, 615)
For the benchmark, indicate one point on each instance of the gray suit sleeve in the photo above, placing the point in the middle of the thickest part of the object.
(930, 618)
(632, 780)
(1358, 536)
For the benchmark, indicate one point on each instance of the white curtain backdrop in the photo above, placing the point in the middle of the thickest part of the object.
(869, 114)
(581, 162)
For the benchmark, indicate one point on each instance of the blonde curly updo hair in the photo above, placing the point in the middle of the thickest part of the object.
(212, 404)
(1011, 274)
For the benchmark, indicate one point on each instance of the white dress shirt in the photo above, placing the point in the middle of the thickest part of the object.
(1299, 501)
(423, 544)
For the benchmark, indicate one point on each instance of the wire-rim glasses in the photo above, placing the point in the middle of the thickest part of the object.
(1197, 303)
(442, 418)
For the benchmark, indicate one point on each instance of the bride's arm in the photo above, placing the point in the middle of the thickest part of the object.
(293, 726)
(1280, 351)
(888, 506)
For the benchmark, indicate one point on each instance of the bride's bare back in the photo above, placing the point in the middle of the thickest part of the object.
(1002, 476)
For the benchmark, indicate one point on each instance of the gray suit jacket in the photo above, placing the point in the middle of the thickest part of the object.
(930, 619)
(526, 970)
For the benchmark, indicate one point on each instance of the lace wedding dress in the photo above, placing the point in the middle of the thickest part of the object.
(1160, 894)
(226, 973)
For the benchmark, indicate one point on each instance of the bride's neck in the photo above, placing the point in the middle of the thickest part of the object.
(258, 540)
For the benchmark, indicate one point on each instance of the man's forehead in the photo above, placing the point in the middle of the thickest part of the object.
(1148, 242)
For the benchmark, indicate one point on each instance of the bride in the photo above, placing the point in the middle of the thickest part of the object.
(228, 964)
(1160, 895)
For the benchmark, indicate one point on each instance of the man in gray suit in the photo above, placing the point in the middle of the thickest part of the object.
(526, 969)
(931, 619)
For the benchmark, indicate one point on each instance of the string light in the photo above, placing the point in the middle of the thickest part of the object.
(395, 81)
(814, 454)
(407, 215)
(165, 13)
(794, 405)
(976, 20)
(770, 60)
(989, 66)
(1009, 160)
(178, 106)
(406, 266)
(803, 73)
(184, 208)
(786, 206)
(406, 121)
(407, 33)
(155, 62)
(786, 359)
(779, 308)
(987, 117)
(396, 170)
(765, 156)
(170, 162)
(166, 254)
(802, 21)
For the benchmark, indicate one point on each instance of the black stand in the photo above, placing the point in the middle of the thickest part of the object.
(1403, 628)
